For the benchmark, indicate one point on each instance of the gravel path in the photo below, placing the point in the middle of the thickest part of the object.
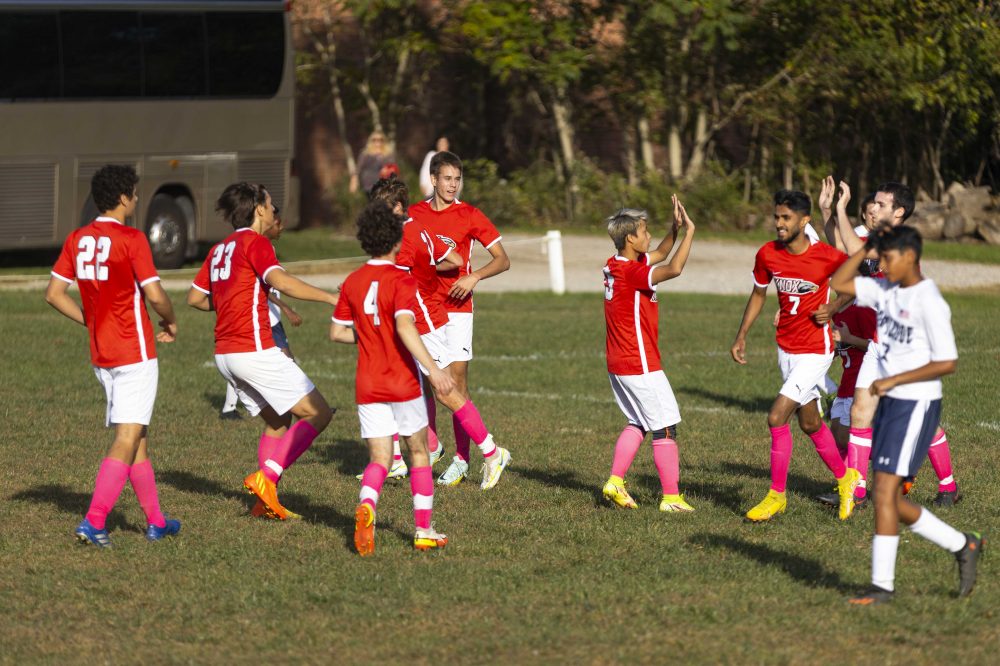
(715, 267)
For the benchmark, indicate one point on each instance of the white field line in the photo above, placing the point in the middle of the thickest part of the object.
(989, 425)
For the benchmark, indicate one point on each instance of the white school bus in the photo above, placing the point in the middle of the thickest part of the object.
(194, 94)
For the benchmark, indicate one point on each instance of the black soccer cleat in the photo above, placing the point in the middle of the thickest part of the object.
(231, 415)
(945, 499)
(968, 559)
(874, 596)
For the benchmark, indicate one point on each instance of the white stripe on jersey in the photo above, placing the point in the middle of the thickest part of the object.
(137, 310)
(253, 315)
(427, 315)
(638, 335)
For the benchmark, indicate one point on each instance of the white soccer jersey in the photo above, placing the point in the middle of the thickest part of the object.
(914, 329)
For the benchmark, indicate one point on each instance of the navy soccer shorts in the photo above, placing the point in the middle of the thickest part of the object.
(903, 433)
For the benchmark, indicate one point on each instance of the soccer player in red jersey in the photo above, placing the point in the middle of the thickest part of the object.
(234, 281)
(113, 266)
(631, 314)
(801, 272)
(459, 225)
(377, 311)
(892, 204)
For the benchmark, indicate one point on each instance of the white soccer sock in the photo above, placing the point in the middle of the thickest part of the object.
(487, 447)
(231, 398)
(938, 532)
(884, 561)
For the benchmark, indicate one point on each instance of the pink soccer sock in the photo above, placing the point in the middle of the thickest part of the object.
(940, 456)
(859, 451)
(144, 484)
(781, 456)
(112, 476)
(293, 444)
(265, 448)
(371, 484)
(433, 443)
(667, 464)
(461, 439)
(472, 423)
(625, 449)
(422, 487)
(826, 447)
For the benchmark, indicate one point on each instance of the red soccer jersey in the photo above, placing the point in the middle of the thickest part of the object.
(632, 316)
(234, 274)
(457, 226)
(803, 284)
(111, 263)
(421, 252)
(370, 300)
(862, 323)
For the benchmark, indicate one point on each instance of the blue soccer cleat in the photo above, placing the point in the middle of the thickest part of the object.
(154, 533)
(87, 533)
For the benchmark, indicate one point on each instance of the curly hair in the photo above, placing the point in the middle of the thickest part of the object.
(392, 191)
(110, 183)
(238, 203)
(379, 229)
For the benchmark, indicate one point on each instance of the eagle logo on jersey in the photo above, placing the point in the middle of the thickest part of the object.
(795, 286)
(447, 241)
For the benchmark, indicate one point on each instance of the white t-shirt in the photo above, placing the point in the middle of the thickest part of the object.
(273, 311)
(914, 329)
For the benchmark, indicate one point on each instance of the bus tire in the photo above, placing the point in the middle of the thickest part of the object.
(166, 229)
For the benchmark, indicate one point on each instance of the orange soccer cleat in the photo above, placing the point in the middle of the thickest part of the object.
(265, 489)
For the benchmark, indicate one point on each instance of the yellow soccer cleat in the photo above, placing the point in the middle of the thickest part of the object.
(494, 467)
(614, 491)
(772, 505)
(845, 488)
(260, 510)
(429, 539)
(265, 489)
(675, 504)
(364, 529)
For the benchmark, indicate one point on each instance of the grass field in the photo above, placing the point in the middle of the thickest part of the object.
(538, 570)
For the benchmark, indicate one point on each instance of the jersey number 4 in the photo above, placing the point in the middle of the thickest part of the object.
(371, 303)
(93, 253)
(222, 261)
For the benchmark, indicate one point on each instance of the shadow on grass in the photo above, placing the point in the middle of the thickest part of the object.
(796, 482)
(801, 569)
(216, 400)
(72, 502)
(724, 495)
(748, 404)
(559, 478)
(348, 455)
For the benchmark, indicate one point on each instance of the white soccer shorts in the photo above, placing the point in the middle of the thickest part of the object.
(646, 400)
(131, 391)
(803, 374)
(437, 345)
(458, 331)
(265, 378)
(841, 410)
(868, 372)
(385, 419)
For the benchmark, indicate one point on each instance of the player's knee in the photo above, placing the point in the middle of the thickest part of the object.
(810, 423)
(775, 419)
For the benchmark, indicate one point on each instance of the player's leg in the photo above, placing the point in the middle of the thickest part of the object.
(778, 418)
(467, 416)
(412, 419)
(659, 410)
(380, 457)
(458, 332)
(143, 481)
(436, 343)
(629, 440)
(863, 406)
(940, 455)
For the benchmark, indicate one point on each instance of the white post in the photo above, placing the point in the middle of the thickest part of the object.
(557, 273)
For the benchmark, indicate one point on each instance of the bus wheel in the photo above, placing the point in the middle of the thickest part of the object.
(166, 229)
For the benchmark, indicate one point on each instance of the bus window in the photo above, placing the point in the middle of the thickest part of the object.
(29, 56)
(246, 53)
(173, 54)
(102, 56)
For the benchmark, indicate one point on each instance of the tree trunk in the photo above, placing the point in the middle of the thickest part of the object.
(674, 152)
(402, 65)
(701, 139)
(646, 143)
(629, 155)
(564, 128)
(748, 168)
(765, 164)
(789, 166)
(327, 51)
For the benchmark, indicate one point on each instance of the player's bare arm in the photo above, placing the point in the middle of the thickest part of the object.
(296, 288)
(676, 264)
(343, 334)
(843, 278)
(925, 373)
(852, 242)
(294, 318)
(662, 250)
(161, 304)
(843, 335)
(449, 262)
(825, 202)
(406, 329)
(824, 313)
(499, 263)
(56, 295)
(199, 300)
(754, 305)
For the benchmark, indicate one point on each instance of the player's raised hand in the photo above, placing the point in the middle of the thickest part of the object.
(680, 215)
(739, 351)
(845, 196)
(826, 193)
(169, 332)
(441, 381)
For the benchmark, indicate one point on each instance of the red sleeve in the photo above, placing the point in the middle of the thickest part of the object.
(260, 254)
(761, 273)
(638, 274)
(482, 229)
(836, 259)
(142, 260)
(404, 297)
(342, 313)
(407, 252)
(202, 281)
(63, 268)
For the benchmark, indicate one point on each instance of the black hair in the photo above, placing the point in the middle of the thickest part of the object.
(238, 203)
(902, 197)
(392, 191)
(795, 200)
(379, 229)
(870, 199)
(445, 158)
(110, 183)
(899, 238)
